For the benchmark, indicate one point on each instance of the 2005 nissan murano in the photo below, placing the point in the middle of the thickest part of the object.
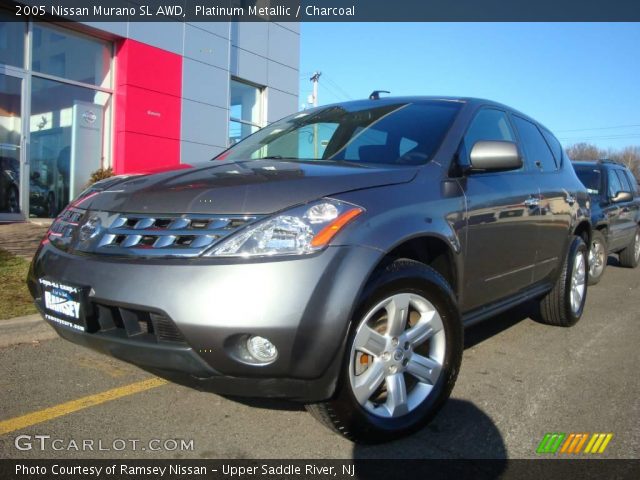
(332, 258)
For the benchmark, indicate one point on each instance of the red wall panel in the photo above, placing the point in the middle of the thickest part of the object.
(148, 107)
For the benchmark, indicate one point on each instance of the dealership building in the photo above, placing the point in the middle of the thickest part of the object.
(134, 96)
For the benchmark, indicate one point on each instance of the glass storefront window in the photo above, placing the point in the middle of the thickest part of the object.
(10, 136)
(11, 40)
(67, 127)
(246, 110)
(69, 55)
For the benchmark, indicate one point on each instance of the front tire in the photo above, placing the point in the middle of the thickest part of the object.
(630, 256)
(597, 257)
(402, 356)
(564, 304)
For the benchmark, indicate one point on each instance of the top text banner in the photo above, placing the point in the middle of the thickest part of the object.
(327, 10)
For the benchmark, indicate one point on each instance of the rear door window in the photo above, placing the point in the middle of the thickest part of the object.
(536, 149)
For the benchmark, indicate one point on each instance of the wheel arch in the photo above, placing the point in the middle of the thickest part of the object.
(583, 230)
(430, 249)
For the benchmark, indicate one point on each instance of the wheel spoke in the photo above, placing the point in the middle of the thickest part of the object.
(368, 382)
(423, 330)
(396, 395)
(369, 341)
(397, 312)
(425, 369)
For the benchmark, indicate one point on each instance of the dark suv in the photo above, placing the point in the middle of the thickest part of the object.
(615, 214)
(332, 258)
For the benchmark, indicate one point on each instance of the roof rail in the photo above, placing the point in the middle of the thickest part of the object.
(608, 160)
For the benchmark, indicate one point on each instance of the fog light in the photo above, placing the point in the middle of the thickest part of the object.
(262, 349)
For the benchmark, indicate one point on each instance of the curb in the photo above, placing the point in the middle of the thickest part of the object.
(27, 329)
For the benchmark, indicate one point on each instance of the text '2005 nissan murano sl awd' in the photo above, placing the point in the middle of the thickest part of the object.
(331, 258)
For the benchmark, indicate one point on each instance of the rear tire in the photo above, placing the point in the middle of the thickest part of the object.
(402, 356)
(597, 257)
(630, 256)
(564, 304)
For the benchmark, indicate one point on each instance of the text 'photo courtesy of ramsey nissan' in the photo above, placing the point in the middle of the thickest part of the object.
(319, 239)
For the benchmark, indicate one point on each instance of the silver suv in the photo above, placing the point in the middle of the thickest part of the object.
(332, 258)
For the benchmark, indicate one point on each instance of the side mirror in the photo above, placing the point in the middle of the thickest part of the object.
(487, 156)
(622, 197)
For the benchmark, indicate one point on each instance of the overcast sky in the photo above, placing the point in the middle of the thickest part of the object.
(582, 80)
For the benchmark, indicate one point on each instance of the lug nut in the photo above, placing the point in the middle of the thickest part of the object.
(385, 356)
(405, 362)
(393, 369)
(394, 342)
(407, 345)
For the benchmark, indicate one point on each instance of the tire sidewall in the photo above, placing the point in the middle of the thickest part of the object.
(577, 246)
(424, 281)
(634, 261)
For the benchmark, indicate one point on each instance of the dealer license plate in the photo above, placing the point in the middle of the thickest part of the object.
(63, 304)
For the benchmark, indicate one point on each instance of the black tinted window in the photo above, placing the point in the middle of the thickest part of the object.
(488, 125)
(614, 184)
(535, 147)
(590, 178)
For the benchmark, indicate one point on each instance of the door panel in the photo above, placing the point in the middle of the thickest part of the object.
(501, 237)
(554, 223)
(627, 212)
(619, 224)
(10, 143)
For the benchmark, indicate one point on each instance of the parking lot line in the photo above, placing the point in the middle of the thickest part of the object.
(39, 416)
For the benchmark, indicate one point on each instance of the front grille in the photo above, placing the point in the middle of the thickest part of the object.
(142, 235)
(132, 323)
(166, 236)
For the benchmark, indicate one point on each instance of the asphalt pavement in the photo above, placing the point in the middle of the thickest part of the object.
(519, 381)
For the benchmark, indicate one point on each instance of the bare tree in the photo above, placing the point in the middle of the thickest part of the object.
(585, 151)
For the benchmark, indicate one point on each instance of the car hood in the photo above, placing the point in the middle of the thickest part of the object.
(240, 187)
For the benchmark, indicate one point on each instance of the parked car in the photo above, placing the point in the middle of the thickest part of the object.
(9, 185)
(332, 258)
(615, 214)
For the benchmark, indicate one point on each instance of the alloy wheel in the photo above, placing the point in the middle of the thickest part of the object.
(397, 355)
(636, 248)
(578, 282)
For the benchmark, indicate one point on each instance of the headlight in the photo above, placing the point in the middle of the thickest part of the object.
(299, 231)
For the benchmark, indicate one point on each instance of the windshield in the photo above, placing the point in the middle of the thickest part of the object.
(590, 178)
(398, 133)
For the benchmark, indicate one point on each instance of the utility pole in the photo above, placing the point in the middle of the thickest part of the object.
(314, 79)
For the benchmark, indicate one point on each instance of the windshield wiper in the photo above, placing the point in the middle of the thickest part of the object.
(277, 157)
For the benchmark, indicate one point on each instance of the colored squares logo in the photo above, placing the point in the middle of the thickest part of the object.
(574, 443)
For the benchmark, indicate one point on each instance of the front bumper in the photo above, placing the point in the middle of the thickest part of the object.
(303, 305)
